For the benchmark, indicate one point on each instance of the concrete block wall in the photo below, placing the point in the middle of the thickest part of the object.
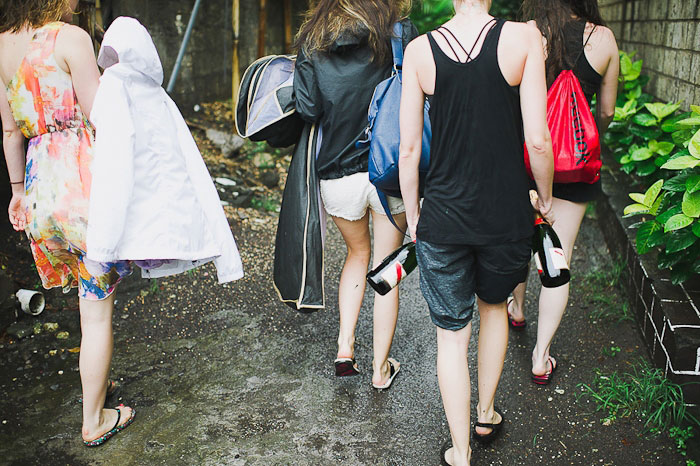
(666, 35)
(206, 69)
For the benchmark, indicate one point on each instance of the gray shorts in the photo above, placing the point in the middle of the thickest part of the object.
(451, 276)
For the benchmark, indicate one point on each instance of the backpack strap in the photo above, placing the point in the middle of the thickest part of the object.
(397, 52)
(397, 45)
(578, 57)
(387, 210)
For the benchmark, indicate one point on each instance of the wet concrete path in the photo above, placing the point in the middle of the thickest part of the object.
(228, 375)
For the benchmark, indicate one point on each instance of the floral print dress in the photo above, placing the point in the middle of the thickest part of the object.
(57, 175)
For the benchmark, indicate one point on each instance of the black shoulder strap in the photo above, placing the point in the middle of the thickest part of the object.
(491, 23)
(470, 52)
(455, 39)
(578, 57)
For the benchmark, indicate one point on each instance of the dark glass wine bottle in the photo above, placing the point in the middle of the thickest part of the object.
(393, 269)
(549, 255)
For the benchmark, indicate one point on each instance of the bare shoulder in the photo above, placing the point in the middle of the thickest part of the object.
(418, 45)
(522, 35)
(602, 38)
(73, 43)
(418, 49)
(73, 34)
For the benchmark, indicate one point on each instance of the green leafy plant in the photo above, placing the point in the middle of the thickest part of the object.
(662, 147)
(641, 134)
(611, 351)
(681, 437)
(673, 203)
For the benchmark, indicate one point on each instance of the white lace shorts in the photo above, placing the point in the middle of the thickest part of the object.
(350, 196)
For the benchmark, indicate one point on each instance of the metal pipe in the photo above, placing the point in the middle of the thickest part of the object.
(183, 47)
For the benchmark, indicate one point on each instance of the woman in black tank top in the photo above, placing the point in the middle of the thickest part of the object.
(576, 39)
(474, 227)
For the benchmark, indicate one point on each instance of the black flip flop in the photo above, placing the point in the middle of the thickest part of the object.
(495, 429)
(345, 367)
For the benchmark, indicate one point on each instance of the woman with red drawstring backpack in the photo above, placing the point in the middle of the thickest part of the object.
(574, 38)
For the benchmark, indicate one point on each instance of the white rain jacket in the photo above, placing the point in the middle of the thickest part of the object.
(152, 196)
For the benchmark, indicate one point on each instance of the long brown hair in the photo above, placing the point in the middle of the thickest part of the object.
(327, 20)
(551, 16)
(18, 14)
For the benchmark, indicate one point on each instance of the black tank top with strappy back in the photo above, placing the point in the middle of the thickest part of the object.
(476, 190)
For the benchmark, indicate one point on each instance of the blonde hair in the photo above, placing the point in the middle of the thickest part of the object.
(18, 14)
(328, 19)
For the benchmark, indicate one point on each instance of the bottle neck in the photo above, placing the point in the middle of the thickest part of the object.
(539, 220)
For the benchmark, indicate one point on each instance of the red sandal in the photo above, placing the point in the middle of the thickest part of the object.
(546, 378)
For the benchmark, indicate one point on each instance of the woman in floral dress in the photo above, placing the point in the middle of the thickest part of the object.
(49, 78)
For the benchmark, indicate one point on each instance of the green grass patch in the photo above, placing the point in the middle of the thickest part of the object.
(602, 286)
(645, 394)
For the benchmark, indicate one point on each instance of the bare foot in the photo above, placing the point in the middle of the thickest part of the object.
(546, 367)
(381, 376)
(516, 314)
(450, 459)
(495, 419)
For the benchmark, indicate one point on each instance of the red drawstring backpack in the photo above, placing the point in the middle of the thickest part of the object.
(575, 139)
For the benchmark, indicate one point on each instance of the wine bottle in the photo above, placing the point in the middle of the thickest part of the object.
(552, 265)
(393, 269)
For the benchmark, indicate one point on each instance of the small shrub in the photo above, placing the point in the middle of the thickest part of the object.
(661, 147)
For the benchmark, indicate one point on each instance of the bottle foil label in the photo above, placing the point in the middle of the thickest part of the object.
(539, 264)
(394, 274)
(558, 258)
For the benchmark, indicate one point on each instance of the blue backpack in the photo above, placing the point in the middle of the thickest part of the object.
(383, 134)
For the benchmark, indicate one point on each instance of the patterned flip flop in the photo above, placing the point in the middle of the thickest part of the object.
(115, 430)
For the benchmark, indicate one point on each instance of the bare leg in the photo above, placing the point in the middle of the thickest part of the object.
(352, 280)
(553, 300)
(516, 309)
(493, 343)
(95, 359)
(386, 308)
(455, 389)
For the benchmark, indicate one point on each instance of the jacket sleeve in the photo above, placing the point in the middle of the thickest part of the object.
(409, 32)
(112, 170)
(307, 96)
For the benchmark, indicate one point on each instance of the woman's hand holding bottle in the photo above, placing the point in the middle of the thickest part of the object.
(544, 208)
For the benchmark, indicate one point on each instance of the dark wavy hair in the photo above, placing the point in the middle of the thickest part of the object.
(328, 19)
(551, 16)
(18, 14)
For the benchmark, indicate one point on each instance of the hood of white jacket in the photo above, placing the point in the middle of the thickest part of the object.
(127, 47)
